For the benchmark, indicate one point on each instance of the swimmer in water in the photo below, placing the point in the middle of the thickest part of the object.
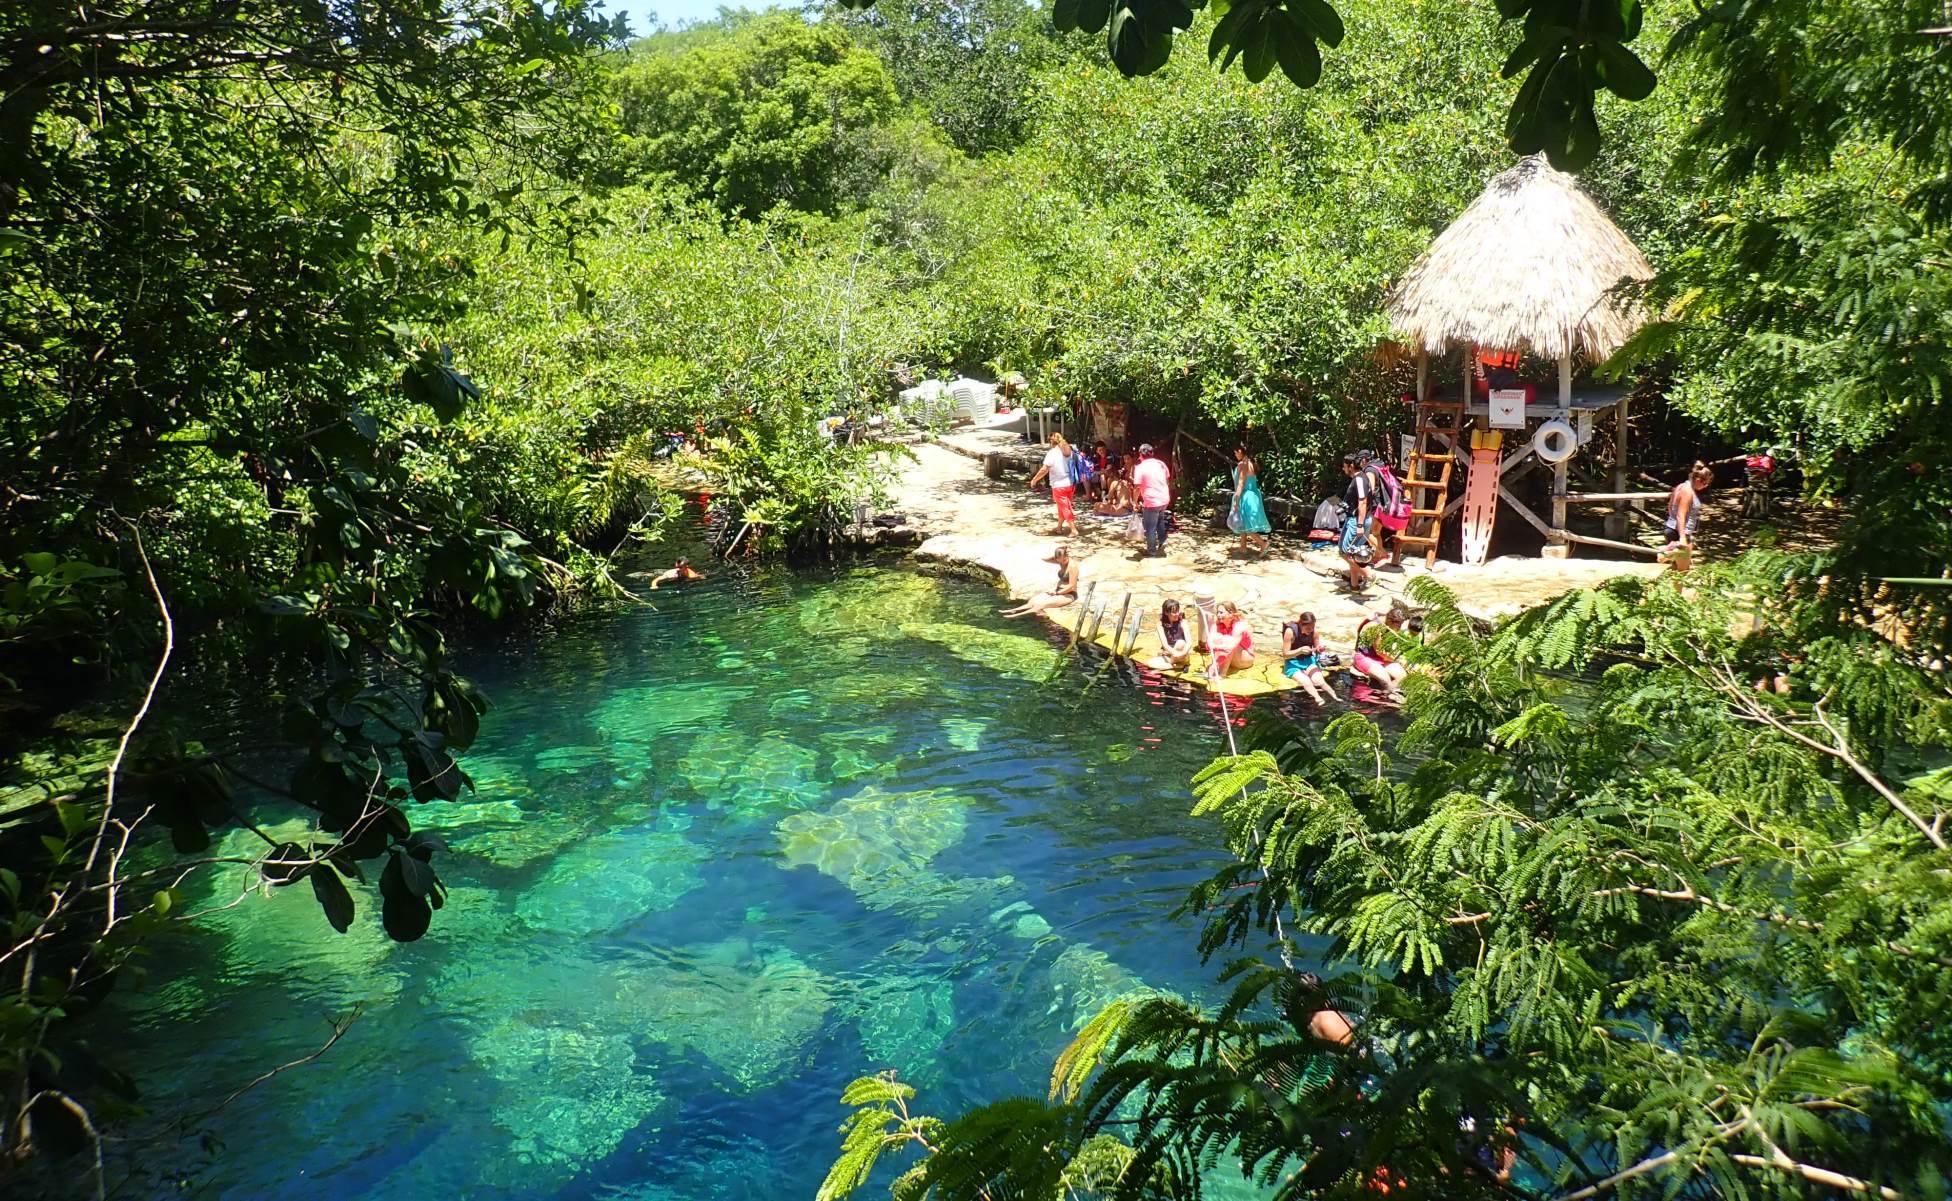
(681, 572)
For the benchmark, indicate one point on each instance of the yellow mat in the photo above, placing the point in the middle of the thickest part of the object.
(1259, 680)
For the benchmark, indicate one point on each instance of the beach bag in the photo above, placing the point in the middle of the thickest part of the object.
(1392, 507)
(1233, 519)
(1135, 527)
(1355, 543)
(1081, 467)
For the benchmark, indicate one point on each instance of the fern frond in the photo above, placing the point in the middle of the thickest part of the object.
(1081, 1058)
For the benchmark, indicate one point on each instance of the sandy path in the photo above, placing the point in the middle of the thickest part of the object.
(1003, 529)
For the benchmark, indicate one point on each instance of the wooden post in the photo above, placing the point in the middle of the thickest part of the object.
(1083, 611)
(1616, 522)
(1097, 619)
(1132, 643)
(1118, 627)
(1423, 375)
(1557, 547)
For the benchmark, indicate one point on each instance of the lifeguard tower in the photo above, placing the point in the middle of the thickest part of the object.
(1530, 269)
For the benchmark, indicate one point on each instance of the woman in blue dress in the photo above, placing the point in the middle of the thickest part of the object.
(1248, 518)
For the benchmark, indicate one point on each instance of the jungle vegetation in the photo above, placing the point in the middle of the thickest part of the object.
(327, 328)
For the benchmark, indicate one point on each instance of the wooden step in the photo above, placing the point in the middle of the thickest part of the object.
(1420, 456)
(1417, 539)
(1426, 512)
(1426, 483)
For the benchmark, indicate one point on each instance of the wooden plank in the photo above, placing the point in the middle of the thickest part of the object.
(1610, 544)
(1118, 627)
(1622, 422)
(1537, 523)
(1582, 497)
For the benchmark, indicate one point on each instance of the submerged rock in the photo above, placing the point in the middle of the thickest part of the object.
(613, 879)
(569, 1092)
(964, 733)
(903, 1022)
(748, 1010)
(1086, 979)
(872, 604)
(647, 718)
(873, 834)
(750, 775)
(1022, 655)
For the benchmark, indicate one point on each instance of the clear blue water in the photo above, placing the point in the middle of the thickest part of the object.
(725, 855)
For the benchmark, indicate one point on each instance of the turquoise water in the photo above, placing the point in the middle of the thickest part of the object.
(724, 856)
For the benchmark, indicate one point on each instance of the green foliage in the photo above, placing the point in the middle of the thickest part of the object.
(1570, 50)
(971, 65)
(231, 441)
(773, 112)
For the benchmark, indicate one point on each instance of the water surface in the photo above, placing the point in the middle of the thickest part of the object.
(724, 855)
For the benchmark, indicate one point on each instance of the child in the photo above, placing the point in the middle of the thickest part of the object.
(1174, 648)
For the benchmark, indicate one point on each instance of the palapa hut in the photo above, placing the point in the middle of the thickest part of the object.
(1530, 267)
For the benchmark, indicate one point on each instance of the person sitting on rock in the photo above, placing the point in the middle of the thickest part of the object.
(1065, 592)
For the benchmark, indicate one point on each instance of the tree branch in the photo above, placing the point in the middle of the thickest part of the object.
(1838, 748)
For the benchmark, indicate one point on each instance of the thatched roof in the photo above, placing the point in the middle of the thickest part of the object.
(1528, 266)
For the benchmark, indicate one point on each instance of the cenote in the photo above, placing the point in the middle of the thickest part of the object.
(723, 856)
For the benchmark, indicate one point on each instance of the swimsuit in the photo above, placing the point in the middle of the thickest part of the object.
(1694, 510)
(1369, 655)
(1303, 662)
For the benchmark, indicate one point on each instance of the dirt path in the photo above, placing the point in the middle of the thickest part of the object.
(1004, 529)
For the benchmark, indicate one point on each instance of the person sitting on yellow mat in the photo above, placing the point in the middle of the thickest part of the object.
(1231, 641)
(1175, 650)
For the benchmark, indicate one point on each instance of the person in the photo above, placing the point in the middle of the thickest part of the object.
(1153, 482)
(1231, 641)
(681, 572)
(1373, 658)
(1063, 594)
(1119, 500)
(1061, 469)
(1110, 463)
(1249, 515)
(1325, 1022)
(1684, 514)
(1301, 647)
(1357, 499)
(1175, 649)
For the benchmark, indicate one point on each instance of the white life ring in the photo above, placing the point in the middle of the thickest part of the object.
(1555, 442)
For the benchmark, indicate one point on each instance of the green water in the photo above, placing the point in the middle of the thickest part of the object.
(723, 857)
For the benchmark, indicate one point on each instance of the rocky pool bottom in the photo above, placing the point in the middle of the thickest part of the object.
(723, 856)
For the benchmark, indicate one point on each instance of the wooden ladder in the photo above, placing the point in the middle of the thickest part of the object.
(1427, 486)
